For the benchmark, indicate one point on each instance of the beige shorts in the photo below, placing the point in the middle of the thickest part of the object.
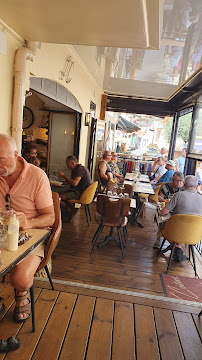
(39, 250)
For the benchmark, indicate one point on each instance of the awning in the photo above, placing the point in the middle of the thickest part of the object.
(126, 126)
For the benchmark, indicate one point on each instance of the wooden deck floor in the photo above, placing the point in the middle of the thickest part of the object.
(78, 324)
(138, 271)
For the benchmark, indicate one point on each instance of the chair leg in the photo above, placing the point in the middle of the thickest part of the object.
(89, 212)
(189, 252)
(49, 277)
(159, 251)
(32, 307)
(120, 239)
(3, 278)
(171, 255)
(200, 313)
(95, 233)
(100, 228)
(194, 263)
(125, 234)
(85, 206)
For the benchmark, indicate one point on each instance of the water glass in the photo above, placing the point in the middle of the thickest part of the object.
(5, 216)
(109, 193)
(126, 195)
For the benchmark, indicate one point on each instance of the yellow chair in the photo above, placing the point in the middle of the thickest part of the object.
(183, 229)
(86, 199)
(155, 198)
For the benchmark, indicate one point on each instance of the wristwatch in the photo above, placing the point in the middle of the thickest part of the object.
(28, 117)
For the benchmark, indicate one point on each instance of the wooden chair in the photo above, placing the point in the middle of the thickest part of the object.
(182, 229)
(86, 199)
(49, 248)
(112, 214)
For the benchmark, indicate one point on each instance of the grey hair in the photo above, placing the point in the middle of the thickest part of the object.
(178, 173)
(10, 141)
(191, 181)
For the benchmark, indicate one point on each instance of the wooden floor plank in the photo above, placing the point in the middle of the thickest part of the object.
(100, 341)
(53, 335)
(43, 307)
(190, 340)
(8, 327)
(8, 296)
(123, 334)
(139, 270)
(167, 335)
(146, 339)
(198, 322)
(75, 343)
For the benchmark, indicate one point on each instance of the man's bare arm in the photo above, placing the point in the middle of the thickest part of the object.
(45, 218)
(103, 168)
(74, 182)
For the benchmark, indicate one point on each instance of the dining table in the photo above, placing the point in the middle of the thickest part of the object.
(134, 176)
(8, 259)
(138, 188)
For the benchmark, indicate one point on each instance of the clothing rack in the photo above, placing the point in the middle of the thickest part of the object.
(130, 163)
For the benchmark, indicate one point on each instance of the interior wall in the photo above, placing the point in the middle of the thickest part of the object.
(49, 62)
(6, 80)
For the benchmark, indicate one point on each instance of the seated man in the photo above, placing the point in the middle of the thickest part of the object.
(104, 169)
(185, 202)
(79, 181)
(166, 192)
(159, 169)
(167, 176)
(162, 152)
(31, 198)
(115, 169)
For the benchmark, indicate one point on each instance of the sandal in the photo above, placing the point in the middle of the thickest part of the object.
(2, 306)
(22, 309)
(10, 344)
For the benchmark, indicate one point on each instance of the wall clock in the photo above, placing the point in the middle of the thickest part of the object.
(28, 117)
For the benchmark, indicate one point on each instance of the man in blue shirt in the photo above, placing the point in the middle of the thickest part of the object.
(166, 178)
(181, 161)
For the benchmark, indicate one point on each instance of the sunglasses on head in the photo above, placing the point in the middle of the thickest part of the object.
(7, 201)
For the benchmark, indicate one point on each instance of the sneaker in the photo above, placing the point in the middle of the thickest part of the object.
(157, 244)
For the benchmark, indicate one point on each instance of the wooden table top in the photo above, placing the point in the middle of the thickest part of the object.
(11, 258)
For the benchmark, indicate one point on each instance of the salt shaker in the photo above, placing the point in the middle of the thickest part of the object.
(13, 233)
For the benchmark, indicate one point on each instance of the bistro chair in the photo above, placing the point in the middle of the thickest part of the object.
(155, 198)
(182, 229)
(86, 199)
(49, 248)
(111, 214)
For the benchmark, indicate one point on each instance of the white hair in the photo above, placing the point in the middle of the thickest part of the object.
(191, 181)
(10, 141)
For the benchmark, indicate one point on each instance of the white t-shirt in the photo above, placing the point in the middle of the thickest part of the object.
(161, 170)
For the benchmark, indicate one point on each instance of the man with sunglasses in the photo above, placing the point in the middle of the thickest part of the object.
(26, 189)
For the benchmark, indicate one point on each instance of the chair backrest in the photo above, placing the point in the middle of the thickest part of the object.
(112, 211)
(183, 229)
(88, 194)
(155, 198)
(55, 233)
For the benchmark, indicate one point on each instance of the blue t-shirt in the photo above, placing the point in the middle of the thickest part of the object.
(166, 177)
(181, 162)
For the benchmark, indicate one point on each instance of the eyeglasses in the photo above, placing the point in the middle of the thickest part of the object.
(7, 201)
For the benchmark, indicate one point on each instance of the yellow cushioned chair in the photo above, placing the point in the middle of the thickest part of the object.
(183, 229)
(155, 198)
(86, 199)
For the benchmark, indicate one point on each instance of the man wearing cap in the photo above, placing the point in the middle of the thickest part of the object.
(165, 178)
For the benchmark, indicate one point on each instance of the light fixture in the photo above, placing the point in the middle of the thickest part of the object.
(87, 119)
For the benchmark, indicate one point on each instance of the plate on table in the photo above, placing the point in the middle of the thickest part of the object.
(56, 183)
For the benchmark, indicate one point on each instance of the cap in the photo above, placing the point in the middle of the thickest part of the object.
(171, 162)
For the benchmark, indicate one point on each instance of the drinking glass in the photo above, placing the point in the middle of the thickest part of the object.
(5, 216)
(126, 195)
(109, 193)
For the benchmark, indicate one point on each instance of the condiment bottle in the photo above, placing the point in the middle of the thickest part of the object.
(13, 233)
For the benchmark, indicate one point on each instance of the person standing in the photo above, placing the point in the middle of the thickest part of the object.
(181, 161)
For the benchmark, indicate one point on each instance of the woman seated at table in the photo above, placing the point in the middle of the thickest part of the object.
(115, 169)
